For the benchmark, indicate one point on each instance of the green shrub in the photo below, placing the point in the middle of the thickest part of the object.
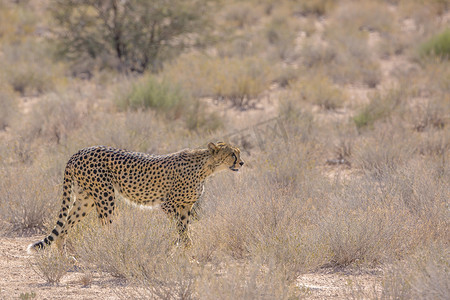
(438, 45)
(152, 93)
(169, 100)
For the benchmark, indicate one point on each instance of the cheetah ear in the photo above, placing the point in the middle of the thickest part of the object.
(213, 148)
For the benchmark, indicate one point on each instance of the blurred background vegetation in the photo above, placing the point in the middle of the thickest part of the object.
(362, 89)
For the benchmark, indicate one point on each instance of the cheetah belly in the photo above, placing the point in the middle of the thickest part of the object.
(140, 198)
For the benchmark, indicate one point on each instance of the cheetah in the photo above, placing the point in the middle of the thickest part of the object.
(173, 181)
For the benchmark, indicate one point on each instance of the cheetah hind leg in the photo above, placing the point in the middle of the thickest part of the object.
(82, 206)
(68, 217)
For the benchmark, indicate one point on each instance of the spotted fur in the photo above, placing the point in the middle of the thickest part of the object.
(175, 181)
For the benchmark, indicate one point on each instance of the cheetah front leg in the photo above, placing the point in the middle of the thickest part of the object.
(183, 218)
(181, 214)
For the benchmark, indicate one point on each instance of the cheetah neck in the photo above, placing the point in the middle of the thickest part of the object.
(203, 159)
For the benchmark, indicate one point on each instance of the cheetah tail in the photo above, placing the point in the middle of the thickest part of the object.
(58, 230)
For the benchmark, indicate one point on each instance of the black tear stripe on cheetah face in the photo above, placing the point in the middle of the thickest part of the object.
(175, 181)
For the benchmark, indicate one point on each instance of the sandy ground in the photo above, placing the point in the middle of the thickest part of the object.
(20, 281)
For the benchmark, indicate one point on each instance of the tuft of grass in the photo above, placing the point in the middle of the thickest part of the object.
(380, 107)
(17, 21)
(438, 45)
(8, 107)
(315, 7)
(320, 91)
(86, 280)
(51, 265)
(27, 295)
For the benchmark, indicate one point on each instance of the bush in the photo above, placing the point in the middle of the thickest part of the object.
(431, 115)
(27, 68)
(51, 265)
(320, 91)
(281, 35)
(380, 107)
(316, 7)
(130, 36)
(364, 15)
(17, 21)
(170, 100)
(198, 118)
(128, 245)
(28, 196)
(438, 45)
(353, 63)
(53, 119)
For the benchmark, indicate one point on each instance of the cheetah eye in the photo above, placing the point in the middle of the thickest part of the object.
(233, 155)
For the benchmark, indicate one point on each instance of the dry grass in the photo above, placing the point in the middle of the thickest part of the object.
(27, 68)
(54, 119)
(128, 245)
(318, 90)
(28, 196)
(423, 276)
(239, 80)
(8, 107)
(287, 212)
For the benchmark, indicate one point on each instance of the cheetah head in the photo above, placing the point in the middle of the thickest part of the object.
(225, 156)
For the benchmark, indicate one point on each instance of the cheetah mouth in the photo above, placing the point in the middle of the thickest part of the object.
(234, 169)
